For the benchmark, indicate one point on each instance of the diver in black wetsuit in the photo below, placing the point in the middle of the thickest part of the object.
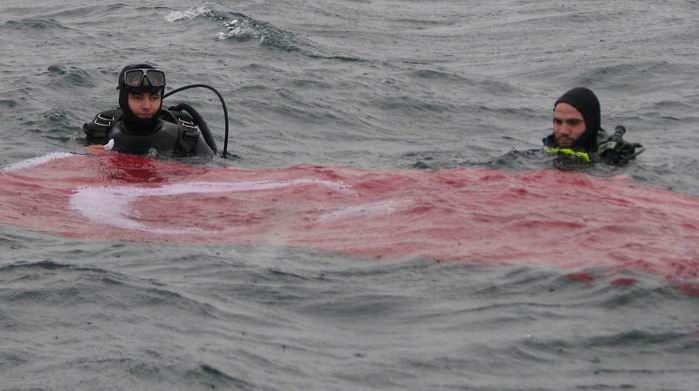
(141, 125)
(577, 133)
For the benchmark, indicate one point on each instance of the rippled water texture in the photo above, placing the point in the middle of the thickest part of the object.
(371, 230)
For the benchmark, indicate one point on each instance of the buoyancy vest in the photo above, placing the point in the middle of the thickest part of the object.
(608, 149)
(176, 134)
(590, 156)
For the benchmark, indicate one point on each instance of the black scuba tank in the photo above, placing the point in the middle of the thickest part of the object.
(187, 113)
(208, 138)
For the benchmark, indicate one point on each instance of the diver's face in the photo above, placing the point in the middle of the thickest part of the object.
(144, 104)
(568, 125)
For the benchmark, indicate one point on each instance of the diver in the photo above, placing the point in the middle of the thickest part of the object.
(141, 126)
(578, 136)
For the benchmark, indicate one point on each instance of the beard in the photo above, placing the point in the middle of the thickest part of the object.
(565, 142)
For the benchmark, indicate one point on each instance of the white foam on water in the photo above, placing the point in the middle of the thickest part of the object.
(111, 205)
(238, 29)
(191, 13)
(37, 161)
(378, 208)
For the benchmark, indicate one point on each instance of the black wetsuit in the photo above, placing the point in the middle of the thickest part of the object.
(171, 136)
(596, 152)
(612, 150)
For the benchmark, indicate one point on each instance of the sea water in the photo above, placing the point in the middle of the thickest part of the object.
(376, 85)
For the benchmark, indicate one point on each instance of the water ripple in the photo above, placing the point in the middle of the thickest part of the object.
(34, 24)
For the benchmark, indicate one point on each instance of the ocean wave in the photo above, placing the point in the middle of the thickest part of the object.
(647, 77)
(85, 284)
(239, 27)
(58, 124)
(207, 374)
(412, 104)
(35, 24)
(243, 28)
(8, 103)
(341, 58)
(44, 265)
(486, 86)
(71, 76)
(202, 10)
(37, 161)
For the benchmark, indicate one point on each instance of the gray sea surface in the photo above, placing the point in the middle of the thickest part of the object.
(366, 83)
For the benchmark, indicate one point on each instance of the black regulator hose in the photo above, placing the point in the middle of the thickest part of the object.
(223, 104)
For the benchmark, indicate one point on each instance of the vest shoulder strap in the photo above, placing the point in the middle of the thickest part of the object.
(188, 138)
(187, 132)
(188, 114)
(97, 130)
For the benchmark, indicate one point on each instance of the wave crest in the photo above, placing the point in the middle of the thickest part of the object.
(239, 27)
(202, 10)
(243, 28)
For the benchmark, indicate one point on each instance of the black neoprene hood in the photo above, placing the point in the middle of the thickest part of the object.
(586, 102)
(124, 90)
(130, 120)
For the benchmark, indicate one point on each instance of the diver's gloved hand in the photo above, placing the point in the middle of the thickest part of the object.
(621, 153)
(99, 149)
(617, 151)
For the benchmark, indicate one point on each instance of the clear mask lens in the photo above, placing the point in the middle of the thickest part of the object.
(136, 78)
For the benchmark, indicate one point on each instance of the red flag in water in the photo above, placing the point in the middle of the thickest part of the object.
(474, 215)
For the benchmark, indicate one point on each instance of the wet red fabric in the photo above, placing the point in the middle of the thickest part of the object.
(473, 215)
